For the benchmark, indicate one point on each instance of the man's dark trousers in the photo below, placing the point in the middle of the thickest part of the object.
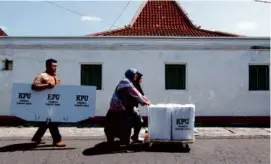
(53, 127)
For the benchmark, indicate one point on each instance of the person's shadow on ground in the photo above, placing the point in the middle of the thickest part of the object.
(30, 147)
(104, 148)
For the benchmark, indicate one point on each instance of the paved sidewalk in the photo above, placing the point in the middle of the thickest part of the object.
(97, 133)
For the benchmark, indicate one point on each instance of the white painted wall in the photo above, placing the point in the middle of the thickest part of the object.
(5, 83)
(217, 79)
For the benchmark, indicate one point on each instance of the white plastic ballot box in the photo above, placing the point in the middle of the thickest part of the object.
(183, 122)
(159, 122)
(63, 103)
(171, 122)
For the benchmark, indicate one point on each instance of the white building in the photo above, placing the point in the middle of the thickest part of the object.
(221, 76)
(225, 75)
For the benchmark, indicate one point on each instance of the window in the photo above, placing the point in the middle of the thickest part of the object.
(91, 74)
(175, 76)
(258, 77)
(7, 65)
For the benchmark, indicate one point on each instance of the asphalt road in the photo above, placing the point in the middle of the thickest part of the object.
(208, 151)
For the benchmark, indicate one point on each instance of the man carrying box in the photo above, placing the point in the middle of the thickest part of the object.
(47, 80)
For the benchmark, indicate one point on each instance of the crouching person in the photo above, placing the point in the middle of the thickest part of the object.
(120, 118)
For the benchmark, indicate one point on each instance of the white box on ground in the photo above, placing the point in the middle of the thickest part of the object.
(183, 122)
(64, 103)
(159, 121)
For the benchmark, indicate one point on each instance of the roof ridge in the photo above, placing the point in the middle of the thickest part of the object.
(164, 18)
(175, 2)
(3, 33)
(221, 32)
(139, 10)
(184, 13)
(109, 31)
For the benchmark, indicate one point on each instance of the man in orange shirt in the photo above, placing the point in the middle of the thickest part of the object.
(47, 80)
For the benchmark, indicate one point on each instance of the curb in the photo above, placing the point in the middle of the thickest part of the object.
(98, 134)
(104, 138)
(235, 137)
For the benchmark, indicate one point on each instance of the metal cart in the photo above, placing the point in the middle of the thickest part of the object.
(148, 141)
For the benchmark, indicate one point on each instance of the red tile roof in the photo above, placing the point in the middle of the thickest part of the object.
(161, 18)
(2, 33)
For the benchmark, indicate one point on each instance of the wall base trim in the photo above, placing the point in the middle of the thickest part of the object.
(200, 121)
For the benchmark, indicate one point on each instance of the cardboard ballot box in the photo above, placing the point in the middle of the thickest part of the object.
(171, 122)
(64, 103)
(183, 122)
(159, 122)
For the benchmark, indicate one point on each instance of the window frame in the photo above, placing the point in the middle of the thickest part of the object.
(185, 78)
(7, 65)
(258, 64)
(91, 64)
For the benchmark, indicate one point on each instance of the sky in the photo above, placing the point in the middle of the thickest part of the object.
(79, 18)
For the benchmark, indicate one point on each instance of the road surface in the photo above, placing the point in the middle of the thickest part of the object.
(202, 151)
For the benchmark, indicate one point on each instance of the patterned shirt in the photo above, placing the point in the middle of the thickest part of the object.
(125, 89)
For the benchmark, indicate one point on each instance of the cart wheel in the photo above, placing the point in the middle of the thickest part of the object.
(146, 145)
(184, 145)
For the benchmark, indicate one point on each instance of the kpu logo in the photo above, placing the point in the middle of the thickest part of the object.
(182, 124)
(24, 98)
(181, 121)
(81, 101)
(81, 97)
(53, 99)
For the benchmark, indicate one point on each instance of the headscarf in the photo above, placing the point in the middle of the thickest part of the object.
(130, 73)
